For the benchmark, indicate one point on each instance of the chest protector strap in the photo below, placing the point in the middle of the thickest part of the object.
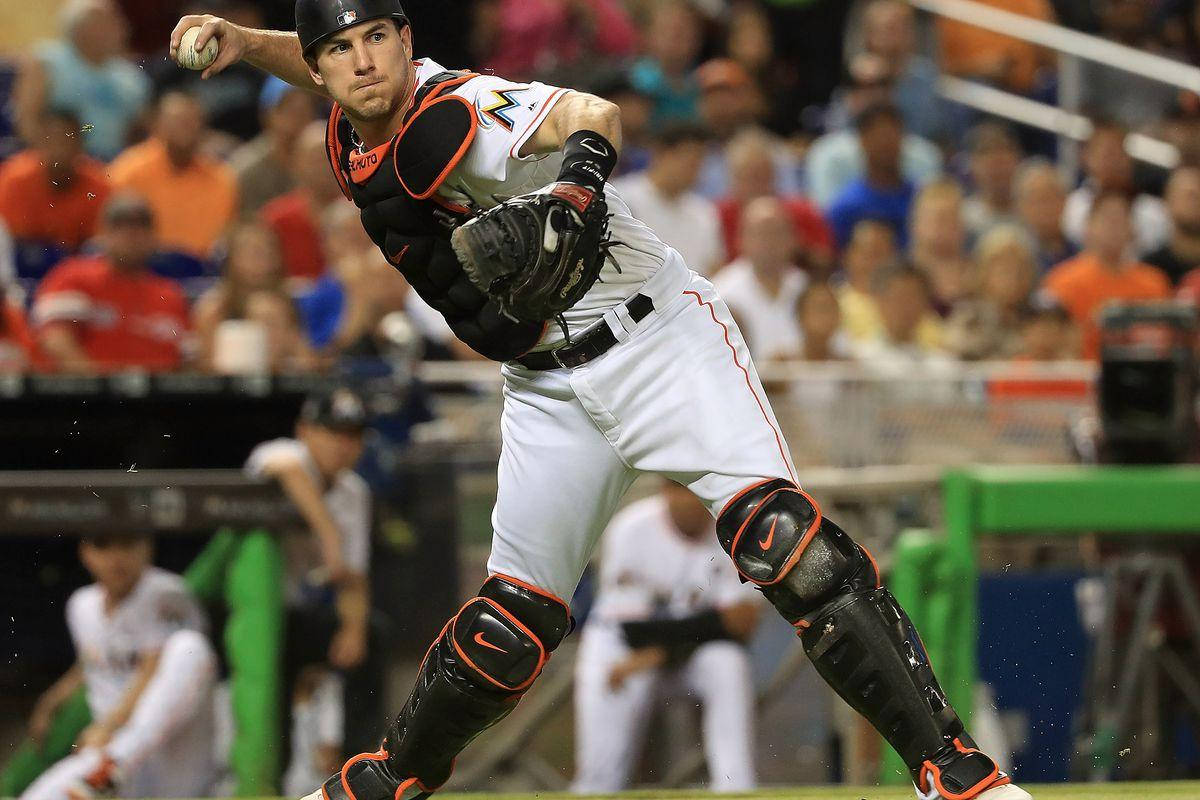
(436, 134)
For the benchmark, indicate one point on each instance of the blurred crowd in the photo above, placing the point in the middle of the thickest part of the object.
(795, 151)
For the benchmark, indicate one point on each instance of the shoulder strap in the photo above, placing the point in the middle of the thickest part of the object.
(334, 147)
(436, 135)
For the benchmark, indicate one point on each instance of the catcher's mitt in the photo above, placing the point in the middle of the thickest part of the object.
(536, 254)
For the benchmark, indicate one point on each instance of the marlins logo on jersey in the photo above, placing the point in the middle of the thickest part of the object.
(497, 112)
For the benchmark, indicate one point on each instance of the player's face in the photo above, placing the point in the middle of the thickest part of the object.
(333, 450)
(367, 68)
(116, 562)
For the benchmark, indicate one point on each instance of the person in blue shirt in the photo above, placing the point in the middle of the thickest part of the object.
(883, 193)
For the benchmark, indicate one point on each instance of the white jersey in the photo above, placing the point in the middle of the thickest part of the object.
(507, 114)
(110, 644)
(648, 568)
(348, 499)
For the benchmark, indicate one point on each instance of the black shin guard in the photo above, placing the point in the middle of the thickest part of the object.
(855, 633)
(474, 674)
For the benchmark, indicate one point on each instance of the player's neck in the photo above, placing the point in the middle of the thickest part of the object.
(114, 596)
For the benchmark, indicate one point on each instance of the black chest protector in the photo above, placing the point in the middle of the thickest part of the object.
(394, 187)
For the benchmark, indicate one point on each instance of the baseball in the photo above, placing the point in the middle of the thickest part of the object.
(187, 55)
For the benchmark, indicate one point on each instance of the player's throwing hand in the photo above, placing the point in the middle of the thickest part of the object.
(231, 40)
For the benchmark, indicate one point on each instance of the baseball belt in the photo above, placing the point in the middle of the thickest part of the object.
(592, 343)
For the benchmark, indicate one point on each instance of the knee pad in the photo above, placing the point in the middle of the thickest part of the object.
(779, 540)
(505, 634)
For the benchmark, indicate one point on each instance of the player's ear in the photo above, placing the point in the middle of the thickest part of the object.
(406, 41)
(311, 63)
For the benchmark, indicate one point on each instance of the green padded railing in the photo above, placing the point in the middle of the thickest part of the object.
(936, 578)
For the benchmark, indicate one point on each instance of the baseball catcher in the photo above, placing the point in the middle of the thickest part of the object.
(492, 198)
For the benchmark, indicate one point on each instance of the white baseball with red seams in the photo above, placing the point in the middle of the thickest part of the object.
(677, 396)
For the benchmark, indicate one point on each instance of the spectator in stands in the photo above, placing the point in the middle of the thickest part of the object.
(730, 105)
(871, 251)
(884, 192)
(295, 217)
(326, 588)
(989, 325)
(872, 247)
(264, 164)
(288, 350)
(889, 31)
(968, 51)
(939, 238)
(108, 311)
(1047, 334)
(357, 290)
(672, 39)
(252, 264)
(752, 174)
(194, 197)
(903, 295)
(763, 286)
(1040, 197)
(18, 350)
(1103, 272)
(836, 159)
(662, 197)
(51, 194)
(1181, 254)
(525, 39)
(636, 108)
(1134, 101)
(231, 96)
(821, 334)
(86, 73)
(993, 157)
(749, 42)
(1109, 168)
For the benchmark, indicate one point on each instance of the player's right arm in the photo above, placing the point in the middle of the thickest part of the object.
(276, 52)
(304, 493)
(51, 700)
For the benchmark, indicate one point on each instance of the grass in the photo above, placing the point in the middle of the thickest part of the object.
(1102, 791)
(1175, 790)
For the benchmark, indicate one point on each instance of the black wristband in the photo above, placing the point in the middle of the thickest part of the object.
(588, 160)
(705, 626)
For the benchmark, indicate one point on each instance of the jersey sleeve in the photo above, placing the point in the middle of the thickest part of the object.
(263, 457)
(63, 296)
(507, 114)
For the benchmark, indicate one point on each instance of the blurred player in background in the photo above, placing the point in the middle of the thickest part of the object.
(671, 616)
(148, 670)
(326, 586)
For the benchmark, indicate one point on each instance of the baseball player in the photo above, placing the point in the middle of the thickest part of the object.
(492, 198)
(148, 671)
(670, 617)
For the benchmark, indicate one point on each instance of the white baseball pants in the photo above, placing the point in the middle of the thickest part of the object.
(677, 396)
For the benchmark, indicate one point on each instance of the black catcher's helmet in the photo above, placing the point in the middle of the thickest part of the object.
(316, 20)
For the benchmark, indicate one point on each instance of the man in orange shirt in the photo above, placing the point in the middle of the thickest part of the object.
(107, 312)
(193, 197)
(969, 51)
(52, 193)
(1103, 272)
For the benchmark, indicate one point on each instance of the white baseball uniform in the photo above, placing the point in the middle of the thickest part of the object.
(648, 568)
(348, 499)
(678, 395)
(166, 747)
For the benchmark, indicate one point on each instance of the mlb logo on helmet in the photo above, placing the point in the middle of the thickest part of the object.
(346, 17)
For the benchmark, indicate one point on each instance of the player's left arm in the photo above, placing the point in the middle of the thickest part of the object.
(575, 112)
(735, 621)
(101, 731)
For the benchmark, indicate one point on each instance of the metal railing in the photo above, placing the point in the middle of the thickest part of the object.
(1072, 47)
